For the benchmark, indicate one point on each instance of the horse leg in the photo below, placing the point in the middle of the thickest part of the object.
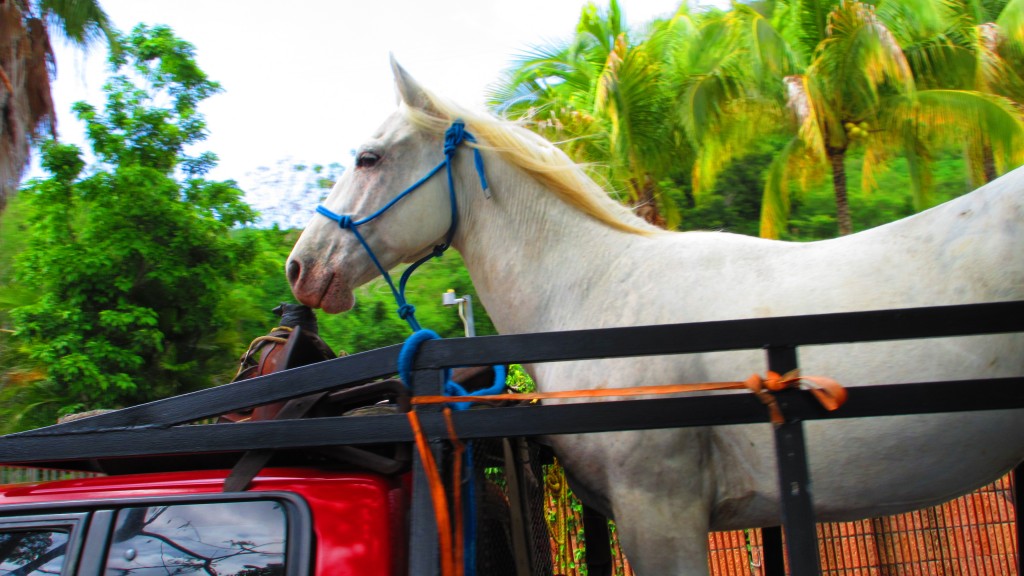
(662, 507)
(659, 538)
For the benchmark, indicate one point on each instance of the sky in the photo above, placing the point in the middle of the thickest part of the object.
(307, 81)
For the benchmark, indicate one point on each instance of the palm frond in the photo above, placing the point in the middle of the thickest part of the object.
(751, 120)
(773, 57)
(966, 116)
(812, 18)
(858, 62)
(1011, 21)
(775, 202)
(927, 32)
(82, 22)
(919, 162)
(804, 102)
(632, 98)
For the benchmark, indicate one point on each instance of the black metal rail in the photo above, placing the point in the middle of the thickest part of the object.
(951, 396)
(726, 335)
(156, 428)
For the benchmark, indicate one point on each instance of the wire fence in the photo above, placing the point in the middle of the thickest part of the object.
(974, 535)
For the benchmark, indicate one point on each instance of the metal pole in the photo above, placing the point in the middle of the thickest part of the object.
(465, 307)
(772, 557)
(794, 479)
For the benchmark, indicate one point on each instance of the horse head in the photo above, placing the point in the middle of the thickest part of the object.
(393, 206)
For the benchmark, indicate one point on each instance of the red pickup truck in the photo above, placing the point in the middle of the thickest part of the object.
(291, 521)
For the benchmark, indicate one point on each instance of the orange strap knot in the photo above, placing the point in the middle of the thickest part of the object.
(828, 392)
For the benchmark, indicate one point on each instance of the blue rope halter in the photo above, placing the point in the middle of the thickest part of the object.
(455, 135)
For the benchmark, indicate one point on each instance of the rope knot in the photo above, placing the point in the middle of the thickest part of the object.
(456, 134)
(405, 311)
(345, 222)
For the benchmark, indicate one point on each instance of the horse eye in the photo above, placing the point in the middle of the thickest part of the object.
(367, 160)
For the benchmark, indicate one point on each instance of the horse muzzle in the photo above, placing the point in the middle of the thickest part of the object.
(318, 287)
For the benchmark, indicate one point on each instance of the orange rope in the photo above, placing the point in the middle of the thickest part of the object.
(828, 392)
(602, 393)
(458, 448)
(437, 495)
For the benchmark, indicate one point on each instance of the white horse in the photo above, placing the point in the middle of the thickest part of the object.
(548, 250)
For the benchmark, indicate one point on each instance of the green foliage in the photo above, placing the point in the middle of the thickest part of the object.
(885, 82)
(812, 216)
(519, 381)
(131, 259)
(374, 321)
(734, 204)
(82, 22)
(600, 95)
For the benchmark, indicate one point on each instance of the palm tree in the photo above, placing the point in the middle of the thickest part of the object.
(601, 96)
(856, 66)
(859, 90)
(721, 102)
(964, 45)
(26, 67)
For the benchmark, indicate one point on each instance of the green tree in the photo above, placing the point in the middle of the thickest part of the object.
(719, 102)
(132, 258)
(859, 92)
(27, 65)
(600, 94)
(968, 46)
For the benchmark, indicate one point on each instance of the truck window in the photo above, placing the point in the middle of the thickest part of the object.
(240, 538)
(32, 552)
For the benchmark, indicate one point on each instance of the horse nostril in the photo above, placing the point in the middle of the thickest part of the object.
(293, 270)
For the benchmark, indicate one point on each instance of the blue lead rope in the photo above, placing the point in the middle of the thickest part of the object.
(451, 388)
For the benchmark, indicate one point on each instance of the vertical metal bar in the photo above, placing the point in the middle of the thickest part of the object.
(794, 477)
(424, 553)
(520, 546)
(598, 553)
(773, 560)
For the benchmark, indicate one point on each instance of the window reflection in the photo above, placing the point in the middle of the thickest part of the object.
(32, 552)
(226, 538)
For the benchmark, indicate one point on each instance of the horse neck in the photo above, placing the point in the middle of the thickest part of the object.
(530, 254)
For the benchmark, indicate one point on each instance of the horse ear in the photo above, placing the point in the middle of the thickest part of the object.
(409, 91)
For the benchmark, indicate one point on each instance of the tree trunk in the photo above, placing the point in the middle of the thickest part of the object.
(988, 163)
(647, 208)
(836, 157)
(26, 106)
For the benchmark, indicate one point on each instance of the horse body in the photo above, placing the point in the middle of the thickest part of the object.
(539, 264)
